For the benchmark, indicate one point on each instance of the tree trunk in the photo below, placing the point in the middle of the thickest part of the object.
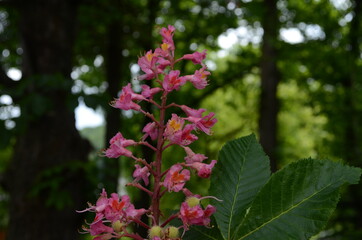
(269, 81)
(114, 76)
(144, 199)
(352, 140)
(45, 183)
(353, 151)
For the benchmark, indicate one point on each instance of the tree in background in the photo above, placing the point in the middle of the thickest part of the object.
(269, 82)
(44, 179)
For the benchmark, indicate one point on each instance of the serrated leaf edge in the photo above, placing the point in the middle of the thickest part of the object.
(282, 213)
(236, 189)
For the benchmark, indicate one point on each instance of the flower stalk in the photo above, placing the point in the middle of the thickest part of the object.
(114, 214)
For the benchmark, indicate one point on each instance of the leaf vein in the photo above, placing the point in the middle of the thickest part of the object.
(288, 210)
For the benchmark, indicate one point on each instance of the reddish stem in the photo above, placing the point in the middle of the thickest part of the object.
(172, 105)
(137, 185)
(167, 146)
(148, 145)
(165, 172)
(163, 192)
(148, 115)
(140, 160)
(169, 219)
(141, 223)
(154, 103)
(155, 206)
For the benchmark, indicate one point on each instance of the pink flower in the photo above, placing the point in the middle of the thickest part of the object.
(193, 157)
(167, 36)
(165, 54)
(116, 207)
(109, 211)
(203, 123)
(141, 173)
(176, 133)
(199, 78)
(174, 179)
(99, 228)
(151, 129)
(203, 170)
(188, 193)
(197, 113)
(118, 146)
(196, 57)
(132, 213)
(101, 204)
(148, 65)
(186, 136)
(174, 128)
(195, 215)
(172, 81)
(148, 92)
(125, 100)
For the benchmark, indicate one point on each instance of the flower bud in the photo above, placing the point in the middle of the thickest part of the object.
(172, 232)
(192, 201)
(155, 231)
(117, 226)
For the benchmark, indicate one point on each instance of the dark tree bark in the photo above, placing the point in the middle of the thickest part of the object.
(114, 65)
(352, 141)
(144, 199)
(269, 105)
(44, 185)
(352, 149)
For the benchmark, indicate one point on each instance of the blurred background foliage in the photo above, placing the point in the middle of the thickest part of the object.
(314, 49)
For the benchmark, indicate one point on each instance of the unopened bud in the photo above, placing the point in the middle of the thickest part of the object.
(155, 231)
(192, 201)
(117, 226)
(172, 232)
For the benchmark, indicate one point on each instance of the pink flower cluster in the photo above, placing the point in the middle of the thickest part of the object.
(114, 214)
(119, 212)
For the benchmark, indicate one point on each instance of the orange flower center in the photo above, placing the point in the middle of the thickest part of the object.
(177, 177)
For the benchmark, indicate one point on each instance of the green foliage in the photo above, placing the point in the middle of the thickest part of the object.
(95, 135)
(200, 232)
(295, 203)
(237, 180)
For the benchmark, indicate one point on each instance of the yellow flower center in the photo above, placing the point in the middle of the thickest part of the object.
(149, 56)
(164, 46)
(175, 125)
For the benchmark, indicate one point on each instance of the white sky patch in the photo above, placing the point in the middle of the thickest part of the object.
(314, 32)
(87, 117)
(242, 35)
(98, 61)
(341, 4)
(291, 35)
(6, 99)
(14, 74)
(227, 40)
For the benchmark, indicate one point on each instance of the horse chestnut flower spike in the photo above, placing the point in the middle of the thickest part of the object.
(114, 214)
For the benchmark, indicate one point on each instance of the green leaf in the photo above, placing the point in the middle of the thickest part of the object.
(242, 169)
(204, 233)
(297, 201)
